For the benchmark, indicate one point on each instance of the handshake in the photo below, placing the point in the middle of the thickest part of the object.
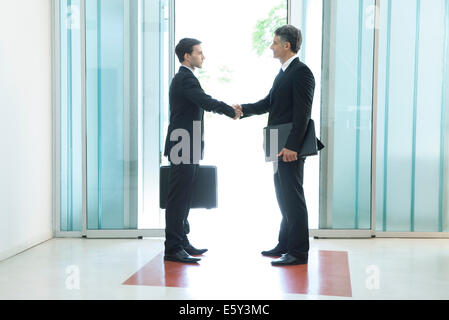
(238, 111)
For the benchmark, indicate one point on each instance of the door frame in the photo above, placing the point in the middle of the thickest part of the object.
(56, 139)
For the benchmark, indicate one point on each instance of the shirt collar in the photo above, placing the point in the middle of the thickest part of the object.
(189, 69)
(288, 62)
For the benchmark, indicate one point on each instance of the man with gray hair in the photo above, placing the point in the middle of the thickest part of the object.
(289, 101)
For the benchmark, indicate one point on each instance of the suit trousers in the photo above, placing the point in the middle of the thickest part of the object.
(294, 230)
(181, 181)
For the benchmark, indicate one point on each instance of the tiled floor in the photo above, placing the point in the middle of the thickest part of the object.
(98, 269)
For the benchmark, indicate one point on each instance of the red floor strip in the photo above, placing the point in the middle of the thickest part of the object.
(326, 274)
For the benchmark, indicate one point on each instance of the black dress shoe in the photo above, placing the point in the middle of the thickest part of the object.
(289, 260)
(194, 251)
(181, 256)
(276, 252)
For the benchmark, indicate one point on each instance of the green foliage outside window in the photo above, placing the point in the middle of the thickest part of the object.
(265, 28)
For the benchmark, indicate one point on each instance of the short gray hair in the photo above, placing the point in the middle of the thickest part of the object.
(292, 35)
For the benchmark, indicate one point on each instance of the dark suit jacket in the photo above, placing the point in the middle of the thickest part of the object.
(289, 101)
(187, 104)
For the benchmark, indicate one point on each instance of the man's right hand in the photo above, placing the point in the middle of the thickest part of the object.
(238, 111)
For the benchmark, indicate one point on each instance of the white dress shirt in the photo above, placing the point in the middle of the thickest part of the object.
(288, 62)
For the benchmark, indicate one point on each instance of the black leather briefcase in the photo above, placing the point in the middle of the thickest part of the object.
(204, 195)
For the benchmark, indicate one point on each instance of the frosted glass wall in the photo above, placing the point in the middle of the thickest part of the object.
(412, 116)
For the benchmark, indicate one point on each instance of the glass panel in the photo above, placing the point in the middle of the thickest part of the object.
(127, 76)
(412, 112)
(348, 44)
(127, 80)
(111, 114)
(71, 202)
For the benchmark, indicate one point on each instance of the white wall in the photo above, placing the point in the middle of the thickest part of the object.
(25, 125)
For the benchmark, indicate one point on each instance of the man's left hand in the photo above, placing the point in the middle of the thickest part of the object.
(238, 111)
(288, 155)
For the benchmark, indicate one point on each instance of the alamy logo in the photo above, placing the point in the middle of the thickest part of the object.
(72, 282)
(373, 280)
(73, 17)
(274, 147)
(371, 15)
(180, 153)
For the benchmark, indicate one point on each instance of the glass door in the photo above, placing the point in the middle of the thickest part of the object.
(347, 108)
(127, 77)
(113, 81)
(412, 155)
(112, 114)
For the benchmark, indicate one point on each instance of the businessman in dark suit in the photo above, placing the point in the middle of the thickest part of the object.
(188, 102)
(289, 101)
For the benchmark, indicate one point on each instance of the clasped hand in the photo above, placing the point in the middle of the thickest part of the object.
(238, 111)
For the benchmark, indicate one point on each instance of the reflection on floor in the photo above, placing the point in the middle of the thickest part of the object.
(326, 274)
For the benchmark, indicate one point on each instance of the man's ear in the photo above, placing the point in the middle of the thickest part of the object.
(186, 57)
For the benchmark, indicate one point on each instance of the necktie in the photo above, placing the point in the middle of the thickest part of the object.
(278, 77)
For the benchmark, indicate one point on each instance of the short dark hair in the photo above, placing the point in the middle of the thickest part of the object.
(185, 46)
(291, 34)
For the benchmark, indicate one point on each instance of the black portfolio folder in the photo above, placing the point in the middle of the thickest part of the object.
(311, 146)
(204, 195)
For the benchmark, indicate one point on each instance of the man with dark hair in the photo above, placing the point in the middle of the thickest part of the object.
(185, 46)
(289, 101)
(188, 102)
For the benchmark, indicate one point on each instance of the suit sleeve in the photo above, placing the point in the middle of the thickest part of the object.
(258, 108)
(195, 94)
(303, 92)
